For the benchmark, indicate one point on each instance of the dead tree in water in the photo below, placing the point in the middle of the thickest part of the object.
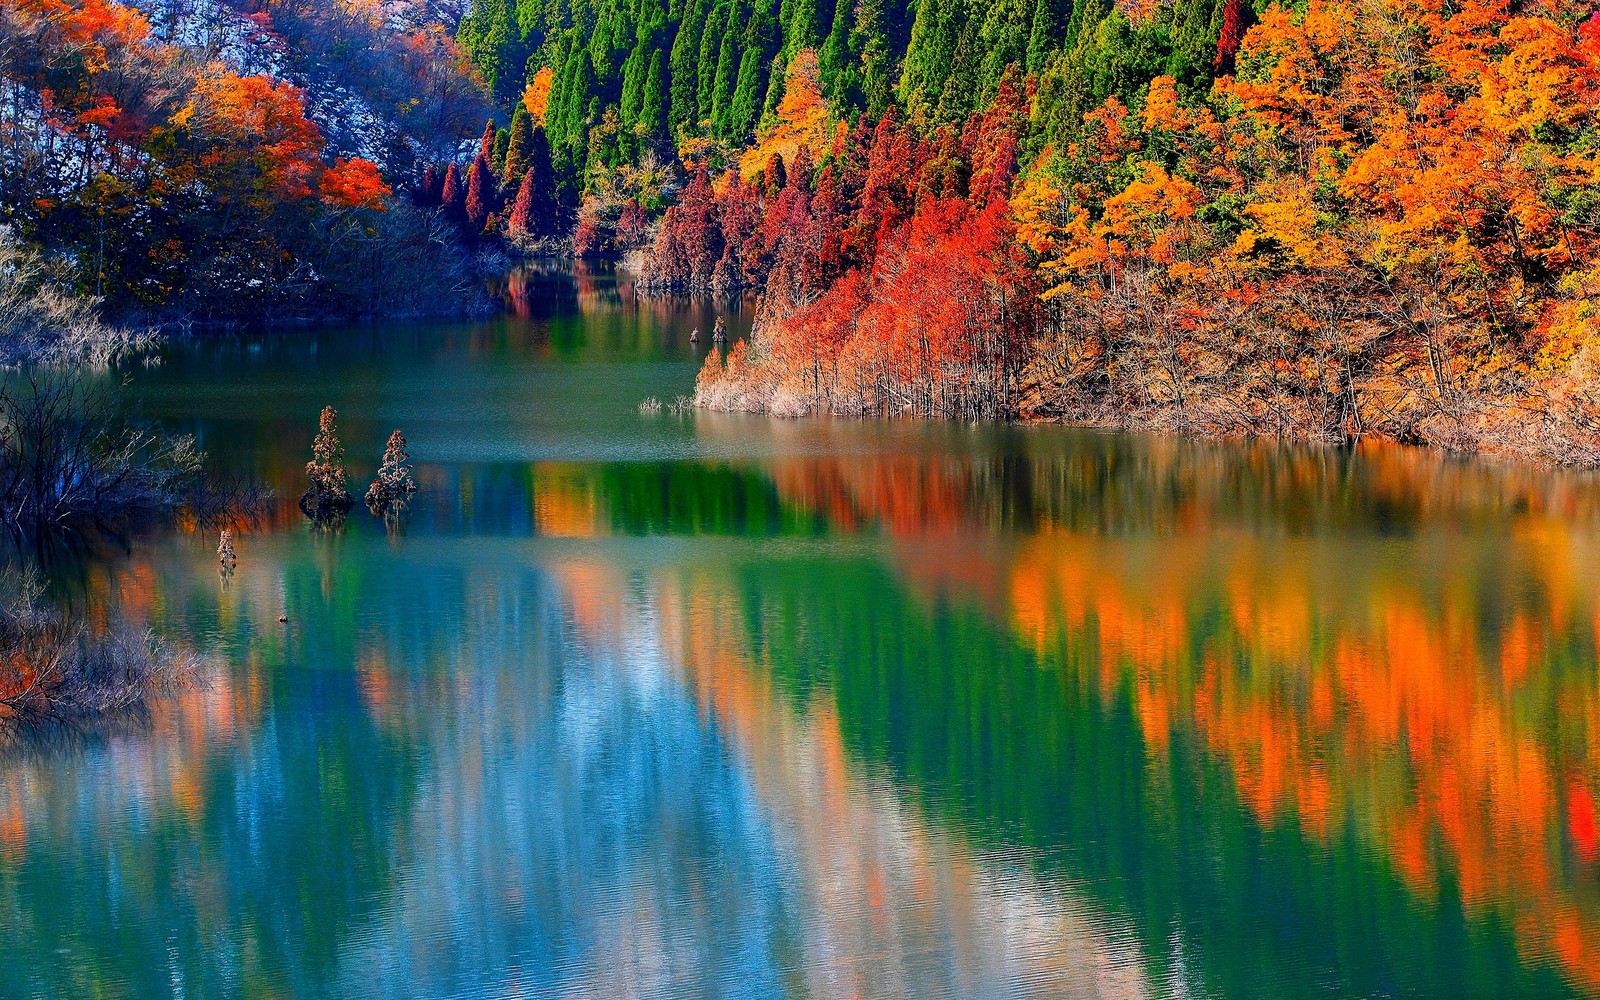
(326, 499)
(390, 493)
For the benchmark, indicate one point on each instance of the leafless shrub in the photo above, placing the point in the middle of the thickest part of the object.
(650, 406)
(69, 458)
(54, 666)
(43, 323)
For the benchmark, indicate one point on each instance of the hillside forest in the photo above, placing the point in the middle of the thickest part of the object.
(1322, 219)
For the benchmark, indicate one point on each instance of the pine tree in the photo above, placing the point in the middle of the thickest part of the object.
(486, 143)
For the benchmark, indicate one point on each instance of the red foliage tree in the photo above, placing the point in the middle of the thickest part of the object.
(480, 194)
(353, 183)
(453, 196)
(533, 213)
(1237, 17)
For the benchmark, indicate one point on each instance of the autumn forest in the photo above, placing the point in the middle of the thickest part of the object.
(800, 498)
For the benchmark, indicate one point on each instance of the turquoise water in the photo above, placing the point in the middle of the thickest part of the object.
(706, 705)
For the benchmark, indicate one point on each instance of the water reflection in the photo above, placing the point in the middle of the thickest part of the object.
(714, 705)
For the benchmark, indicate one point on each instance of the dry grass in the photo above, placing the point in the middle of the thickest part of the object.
(55, 667)
(43, 323)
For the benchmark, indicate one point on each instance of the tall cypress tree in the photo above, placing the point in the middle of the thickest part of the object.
(653, 105)
(521, 138)
(835, 67)
(741, 119)
(711, 39)
(682, 109)
(1046, 34)
(929, 56)
(1004, 42)
(727, 73)
(870, 43)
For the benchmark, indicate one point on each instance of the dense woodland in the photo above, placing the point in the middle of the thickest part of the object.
(1321, 219)
(220, 159)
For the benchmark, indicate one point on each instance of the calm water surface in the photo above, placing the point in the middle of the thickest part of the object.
(714, 706)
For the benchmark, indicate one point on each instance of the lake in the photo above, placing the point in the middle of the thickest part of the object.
(706, 705)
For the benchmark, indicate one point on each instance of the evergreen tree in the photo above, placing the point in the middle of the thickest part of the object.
(711, 39)
(728, 63)
(1046, 33)
(497, 155)
(1004, 42)
(835, 65)
(517, 145)
(930, 54)
(741, 120)
(532, 214)
(870, 43)
(682, 109)
(653, 104)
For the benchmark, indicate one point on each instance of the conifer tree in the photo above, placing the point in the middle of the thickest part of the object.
(517, 146)
(497, 156)
(711, 39)
(870, 43)
(534, 212)
(741, 120)
(683, 100)
(727, 73)
(653, 103)
(480, 194)
(1045, 33)
(429, 191)
(454, 194)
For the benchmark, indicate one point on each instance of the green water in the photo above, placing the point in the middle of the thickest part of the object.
(706, 705)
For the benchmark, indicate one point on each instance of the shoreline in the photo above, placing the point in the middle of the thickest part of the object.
(1465, 444)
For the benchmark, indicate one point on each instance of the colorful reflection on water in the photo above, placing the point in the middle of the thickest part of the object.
(711, 705)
